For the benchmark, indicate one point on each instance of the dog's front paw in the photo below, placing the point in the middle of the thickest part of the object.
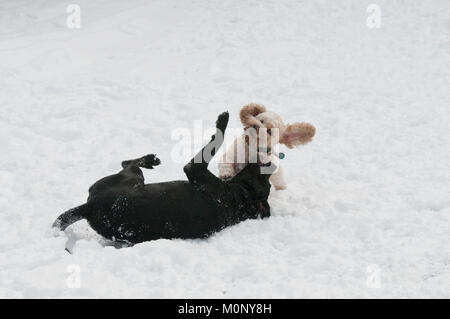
(280, 187)
(222, 121)
(226, 177)
(148, 161)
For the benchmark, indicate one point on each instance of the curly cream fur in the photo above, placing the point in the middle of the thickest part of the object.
(249, 112)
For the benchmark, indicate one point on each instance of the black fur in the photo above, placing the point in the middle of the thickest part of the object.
(122, 208)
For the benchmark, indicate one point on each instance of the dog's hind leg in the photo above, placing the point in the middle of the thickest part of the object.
(277, 180)
(197, 169)
(147, 161)
(71, 216)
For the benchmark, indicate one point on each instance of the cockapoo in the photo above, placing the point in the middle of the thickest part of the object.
(263, 130)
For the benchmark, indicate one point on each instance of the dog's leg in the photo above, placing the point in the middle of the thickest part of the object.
(71, 216)
(226, 167)
(234, 159)
(277, 180)
(130, 176)
(147, 161)
(197, 169)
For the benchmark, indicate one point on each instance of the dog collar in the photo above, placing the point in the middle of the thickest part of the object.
(268, 150)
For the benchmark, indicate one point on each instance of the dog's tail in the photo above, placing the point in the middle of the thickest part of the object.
(71, 216)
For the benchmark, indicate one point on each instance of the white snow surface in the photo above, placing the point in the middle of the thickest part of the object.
(368, 197)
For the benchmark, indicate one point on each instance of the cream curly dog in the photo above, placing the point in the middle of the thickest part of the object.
(263, 130)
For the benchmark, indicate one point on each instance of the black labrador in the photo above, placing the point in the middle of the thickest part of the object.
(122, 208)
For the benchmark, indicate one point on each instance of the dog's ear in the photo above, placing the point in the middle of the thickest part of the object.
(249, 112)
(297, 134)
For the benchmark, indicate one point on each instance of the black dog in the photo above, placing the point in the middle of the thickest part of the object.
(122, 208)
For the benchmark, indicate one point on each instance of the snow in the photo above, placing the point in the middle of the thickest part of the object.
(366, 212)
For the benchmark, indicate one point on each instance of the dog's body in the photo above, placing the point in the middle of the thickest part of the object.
(122, 208)
(247, 147)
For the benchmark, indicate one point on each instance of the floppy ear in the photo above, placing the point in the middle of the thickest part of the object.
(249, 112)
(297, 134)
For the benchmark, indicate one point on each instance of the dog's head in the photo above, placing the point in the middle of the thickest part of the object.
(267, 129)
(255, 178)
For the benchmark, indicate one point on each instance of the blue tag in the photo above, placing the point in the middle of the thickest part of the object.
(281, 155)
